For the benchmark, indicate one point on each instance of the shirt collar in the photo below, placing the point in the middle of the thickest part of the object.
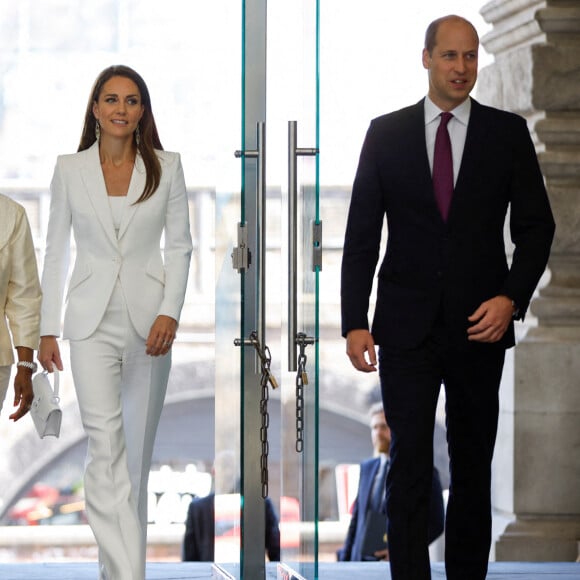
(461, 113)
(384, 457)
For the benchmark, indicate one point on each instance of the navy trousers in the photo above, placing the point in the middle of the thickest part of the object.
(411, 380)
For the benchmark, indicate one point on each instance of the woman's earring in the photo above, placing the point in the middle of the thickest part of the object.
(138, 135)
(97, 130)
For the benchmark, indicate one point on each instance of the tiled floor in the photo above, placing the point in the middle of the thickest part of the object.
(327, 571)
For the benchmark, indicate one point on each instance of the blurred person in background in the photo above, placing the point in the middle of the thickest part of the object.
(369, 509)
(200, 524)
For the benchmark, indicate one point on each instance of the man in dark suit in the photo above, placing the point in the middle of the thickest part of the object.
(446, 296)
(372, 478)
(199, 538)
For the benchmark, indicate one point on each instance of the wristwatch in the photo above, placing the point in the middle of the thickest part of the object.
(28, 365)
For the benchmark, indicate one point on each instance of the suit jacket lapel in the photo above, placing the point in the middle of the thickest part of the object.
(367, 483)
(94, 181)
(472, 154)
(135, 190)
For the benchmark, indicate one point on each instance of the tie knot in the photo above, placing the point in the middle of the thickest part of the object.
(445, 118)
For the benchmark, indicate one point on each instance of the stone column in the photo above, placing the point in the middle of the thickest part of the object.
(536, 73)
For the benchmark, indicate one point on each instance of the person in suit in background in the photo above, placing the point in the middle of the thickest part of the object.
(371, 494)
(444, 172)
(20, 298)
(120, 194)
(199, 538)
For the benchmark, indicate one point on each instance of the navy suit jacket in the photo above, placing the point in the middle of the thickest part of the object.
(351, 551)
(431, 266)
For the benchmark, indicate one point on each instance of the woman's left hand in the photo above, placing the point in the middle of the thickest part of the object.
(161, 336)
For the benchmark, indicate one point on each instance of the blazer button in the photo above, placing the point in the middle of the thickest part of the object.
(439, 274)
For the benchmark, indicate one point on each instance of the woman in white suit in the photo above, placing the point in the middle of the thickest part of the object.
(121, 194)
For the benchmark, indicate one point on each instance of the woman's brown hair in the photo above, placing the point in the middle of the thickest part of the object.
(149, 138)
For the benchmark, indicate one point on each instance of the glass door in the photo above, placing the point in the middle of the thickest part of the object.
(293, 75)
(267, 268)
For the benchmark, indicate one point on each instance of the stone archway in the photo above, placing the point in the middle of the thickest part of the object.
(536, 73)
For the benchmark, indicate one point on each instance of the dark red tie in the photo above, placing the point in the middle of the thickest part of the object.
(443, 167)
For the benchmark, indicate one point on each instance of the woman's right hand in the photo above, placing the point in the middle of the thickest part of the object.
(49, 354)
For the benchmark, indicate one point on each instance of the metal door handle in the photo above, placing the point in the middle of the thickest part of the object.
(293, 152)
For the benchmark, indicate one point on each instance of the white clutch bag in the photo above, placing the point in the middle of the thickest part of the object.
(45, 410)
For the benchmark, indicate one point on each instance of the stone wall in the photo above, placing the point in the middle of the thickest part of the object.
(536, 73)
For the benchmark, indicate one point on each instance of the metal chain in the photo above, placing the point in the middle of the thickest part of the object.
(301, 381)
(300, 376)
(265, 378)
(265, 421)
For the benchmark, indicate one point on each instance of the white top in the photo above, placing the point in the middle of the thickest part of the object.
(117, 204)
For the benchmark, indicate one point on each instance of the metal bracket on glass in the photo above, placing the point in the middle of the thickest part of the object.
(293, 152)
(238, 153)
(263, 354)
(316, 246)
(241, 255)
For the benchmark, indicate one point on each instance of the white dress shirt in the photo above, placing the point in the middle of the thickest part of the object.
(457, 128)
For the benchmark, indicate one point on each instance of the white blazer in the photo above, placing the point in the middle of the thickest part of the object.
(152, 283)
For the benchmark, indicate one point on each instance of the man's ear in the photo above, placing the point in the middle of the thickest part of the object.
(426, 58)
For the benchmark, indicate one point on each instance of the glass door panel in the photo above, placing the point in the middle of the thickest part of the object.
(266, 295)
(229, 296)
(293, 126)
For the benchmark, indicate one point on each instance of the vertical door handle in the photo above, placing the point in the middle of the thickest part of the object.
(260, 259)
(293, 153)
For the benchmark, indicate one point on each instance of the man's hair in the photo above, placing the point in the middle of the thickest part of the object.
(433, 28)
(376, 408)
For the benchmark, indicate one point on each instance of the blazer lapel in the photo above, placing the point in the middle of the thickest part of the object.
(367, 482)
(424, 173)
(94, 181)
(135, 190)
(472, 154)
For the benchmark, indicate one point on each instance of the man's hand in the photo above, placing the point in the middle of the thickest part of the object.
(382, 554)
(359, 342)
(491, 320)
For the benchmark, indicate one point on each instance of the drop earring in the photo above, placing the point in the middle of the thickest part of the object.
(97, 130)
(138, 135)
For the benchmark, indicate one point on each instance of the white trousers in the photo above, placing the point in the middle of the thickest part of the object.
(4, 382)
(120, 391)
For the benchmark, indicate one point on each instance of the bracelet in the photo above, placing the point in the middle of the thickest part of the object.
(27, 365)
